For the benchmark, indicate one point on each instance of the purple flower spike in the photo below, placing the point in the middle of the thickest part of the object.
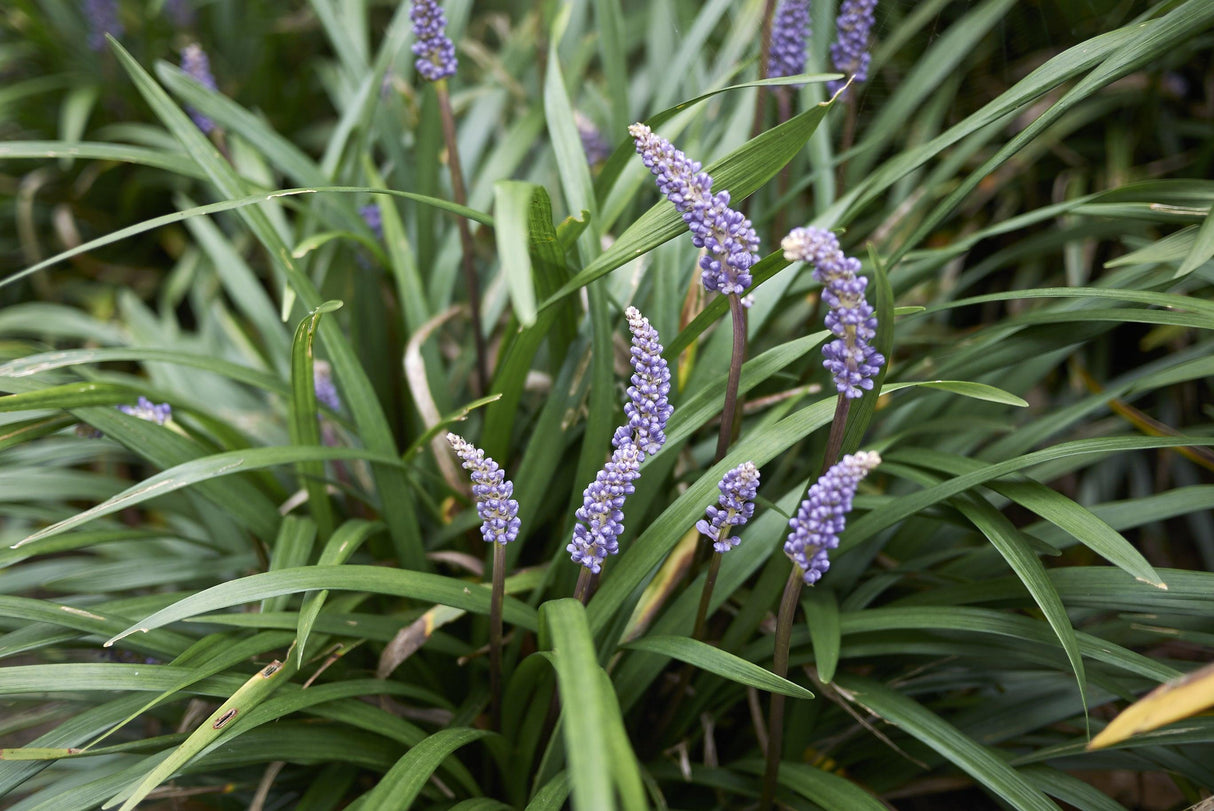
(850, 358)
(647, 408)
(601, 515)
(815, 529)
(789, 32)
(145, 409)
(730, 242)
(196, 65)
(374, 219)
(102, 16)
(497, 510)
(849, 53)
(593, 143)
(326, 389)
(738, 490)
(435, 52)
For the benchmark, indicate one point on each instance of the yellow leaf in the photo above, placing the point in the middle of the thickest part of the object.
(1181, 698)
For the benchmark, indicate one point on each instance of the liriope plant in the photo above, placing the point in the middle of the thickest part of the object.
(269, 388)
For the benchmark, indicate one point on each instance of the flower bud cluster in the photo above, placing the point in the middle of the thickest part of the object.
(601, 515)
(434, 51)
(789, 32)
(196, 65)
(648, 408)
(736, 506)
(497, 510)
(102, 17)
(849, 53)
(815, 529)
(145, 409)
(728, 238)
(850, 358)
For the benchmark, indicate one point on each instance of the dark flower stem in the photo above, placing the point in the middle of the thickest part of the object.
(834, 442)
(585, 585)
(848, 139)
(769, 11)
(779, 666)
(710, 582)
(726, 436)
(495, 633)
(465, 234)
(784, 621)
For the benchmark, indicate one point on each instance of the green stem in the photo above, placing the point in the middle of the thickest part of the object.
(460, 193)
(728, 428)
(779, 666)
(495, 633)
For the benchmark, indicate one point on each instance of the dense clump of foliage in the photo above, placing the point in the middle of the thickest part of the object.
(518, 405)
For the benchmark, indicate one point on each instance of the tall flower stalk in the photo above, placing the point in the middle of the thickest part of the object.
(197, 66)
(436, 61)
(853, 363)
(849, 55)
(851, 358)
(729, 242)
(601, 516)
(787, 54)
(813, 532)
(498, 512)
(733, 509)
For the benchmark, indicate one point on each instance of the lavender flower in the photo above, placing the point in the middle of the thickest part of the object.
(602, 511)
(145, 409)
(323, 385)
(497, 510)
(849, 53)
(373, 218)
(102, 16)
(593, 143)
(196, 65)
(815, 529)
(789, 32)
(435, 53)
(738, 490)
(647, 408)
(850, 358)
(730, 241)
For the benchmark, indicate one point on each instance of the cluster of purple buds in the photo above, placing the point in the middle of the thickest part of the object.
(374, 219)
(728, 238)
(736, 506)
(601, 515)
(815, 529)
(323, 385)
(196, 65)
(145, 409)
(850, 358)
(497, 510)
(102, 16)
(648, 408)
(435, 52)
(789, 32)
(593, 143)
(849, 52)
